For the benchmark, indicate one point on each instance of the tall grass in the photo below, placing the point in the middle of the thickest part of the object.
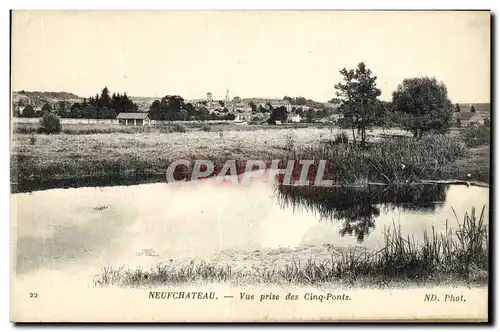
(476, 136)
(90, 129)
(396, 160)
(457, 255)
(101, 128)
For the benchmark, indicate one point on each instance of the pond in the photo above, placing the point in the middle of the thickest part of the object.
(88, 228)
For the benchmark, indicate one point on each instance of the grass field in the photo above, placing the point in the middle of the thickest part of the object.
(86, 129)
(64, 156)
(37, 157)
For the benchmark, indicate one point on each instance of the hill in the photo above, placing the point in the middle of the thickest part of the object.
(38, 98)
(47, 94)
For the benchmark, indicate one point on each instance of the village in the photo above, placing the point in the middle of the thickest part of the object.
(310, 156)
(228, 110)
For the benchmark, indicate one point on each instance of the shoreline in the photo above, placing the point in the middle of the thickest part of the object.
(60, 161)
(91, 181)
(314, 266)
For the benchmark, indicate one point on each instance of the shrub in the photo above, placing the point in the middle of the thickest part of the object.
(32, 139)
(177, 128)
(206, 128)
(49, 124)
(289, 142)
(390, 161)
(341, 138)
(475, 136)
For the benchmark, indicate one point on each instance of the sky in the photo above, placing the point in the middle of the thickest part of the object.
(267, 54)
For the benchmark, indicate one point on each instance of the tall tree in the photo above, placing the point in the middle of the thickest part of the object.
(253, 107)
(301, 101)
(61, 108)
(279, 114)
(46, 108)
(424, 105)
(104, 100)
(169, 108)
(76, 111)
(357, 97)
(28, 112)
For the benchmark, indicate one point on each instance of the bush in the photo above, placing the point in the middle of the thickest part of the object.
(476, 136)
(49, 124)
(32, 139)
(392, 161)
(289, 142)
(177, 128)
(206, 128)
(341, 138)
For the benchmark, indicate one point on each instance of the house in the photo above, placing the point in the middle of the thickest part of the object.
(294, 118)
(133, 119)
(242, 117)
(265, 103)
(477, 118)
(469, 118)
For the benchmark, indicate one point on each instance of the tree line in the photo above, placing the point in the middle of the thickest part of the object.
(100, 106)
(419, 105)
(174, 108)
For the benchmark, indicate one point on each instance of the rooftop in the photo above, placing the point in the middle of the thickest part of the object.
(464, 115)
(132, 115)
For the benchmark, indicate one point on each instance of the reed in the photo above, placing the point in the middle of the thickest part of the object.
(458, 255)
(390, 161)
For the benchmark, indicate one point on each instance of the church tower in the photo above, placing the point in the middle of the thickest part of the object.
(209, 100)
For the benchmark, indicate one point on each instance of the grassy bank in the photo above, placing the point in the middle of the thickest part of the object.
(453, 256)
(100, 128)
(49, 157)
(99, 157)
(390, 161)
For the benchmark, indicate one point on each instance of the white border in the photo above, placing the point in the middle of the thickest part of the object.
(190, 5)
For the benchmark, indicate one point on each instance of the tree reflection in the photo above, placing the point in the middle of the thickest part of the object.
(358, 207)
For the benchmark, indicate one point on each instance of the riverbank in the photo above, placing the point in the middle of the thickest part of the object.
(452, 257)
(181, 126)
(46, 160)
(99, 156)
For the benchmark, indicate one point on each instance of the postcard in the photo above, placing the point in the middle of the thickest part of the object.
(250, 166)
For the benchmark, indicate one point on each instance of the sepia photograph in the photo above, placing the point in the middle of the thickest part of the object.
(250, 166)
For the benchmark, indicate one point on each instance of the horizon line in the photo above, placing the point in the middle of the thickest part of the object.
(187, 99)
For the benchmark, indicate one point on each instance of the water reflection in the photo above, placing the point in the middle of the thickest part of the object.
(136, 178)
(358, 207)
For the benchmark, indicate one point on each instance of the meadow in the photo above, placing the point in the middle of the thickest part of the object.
(78, 153)
(96, 128)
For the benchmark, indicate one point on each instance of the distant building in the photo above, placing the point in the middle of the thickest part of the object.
(264, 102)
(469, 118)
(133, 119)
(294, 118)
(242, 117)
